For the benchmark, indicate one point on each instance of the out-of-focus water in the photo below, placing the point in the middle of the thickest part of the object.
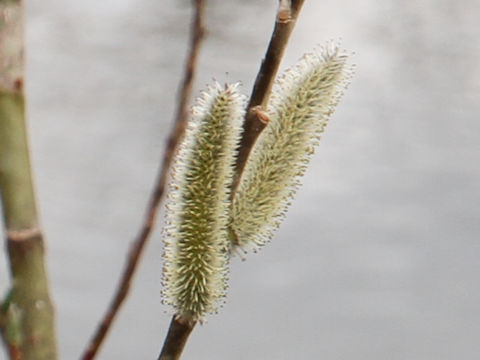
(378, 257)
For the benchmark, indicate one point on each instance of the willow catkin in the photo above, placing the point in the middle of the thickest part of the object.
(196, 243)
(302, 101)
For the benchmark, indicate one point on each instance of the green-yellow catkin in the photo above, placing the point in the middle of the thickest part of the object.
(196, 241)
(302, 101)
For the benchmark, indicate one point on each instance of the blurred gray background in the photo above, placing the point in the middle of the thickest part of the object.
(379, 255)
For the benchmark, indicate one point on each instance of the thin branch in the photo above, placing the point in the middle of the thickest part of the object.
(196, 35)
(177, 336)
(255, 120)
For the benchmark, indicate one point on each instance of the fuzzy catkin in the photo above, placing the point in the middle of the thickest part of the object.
(302, 101)
(196, 242)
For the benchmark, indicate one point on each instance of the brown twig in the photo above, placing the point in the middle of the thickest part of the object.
(177, 336)
(255, 123)
(196, 35)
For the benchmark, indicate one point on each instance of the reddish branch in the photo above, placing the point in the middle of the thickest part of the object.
(197, 33)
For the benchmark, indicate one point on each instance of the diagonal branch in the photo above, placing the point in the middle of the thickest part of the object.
(196, 35)
(255, 120)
